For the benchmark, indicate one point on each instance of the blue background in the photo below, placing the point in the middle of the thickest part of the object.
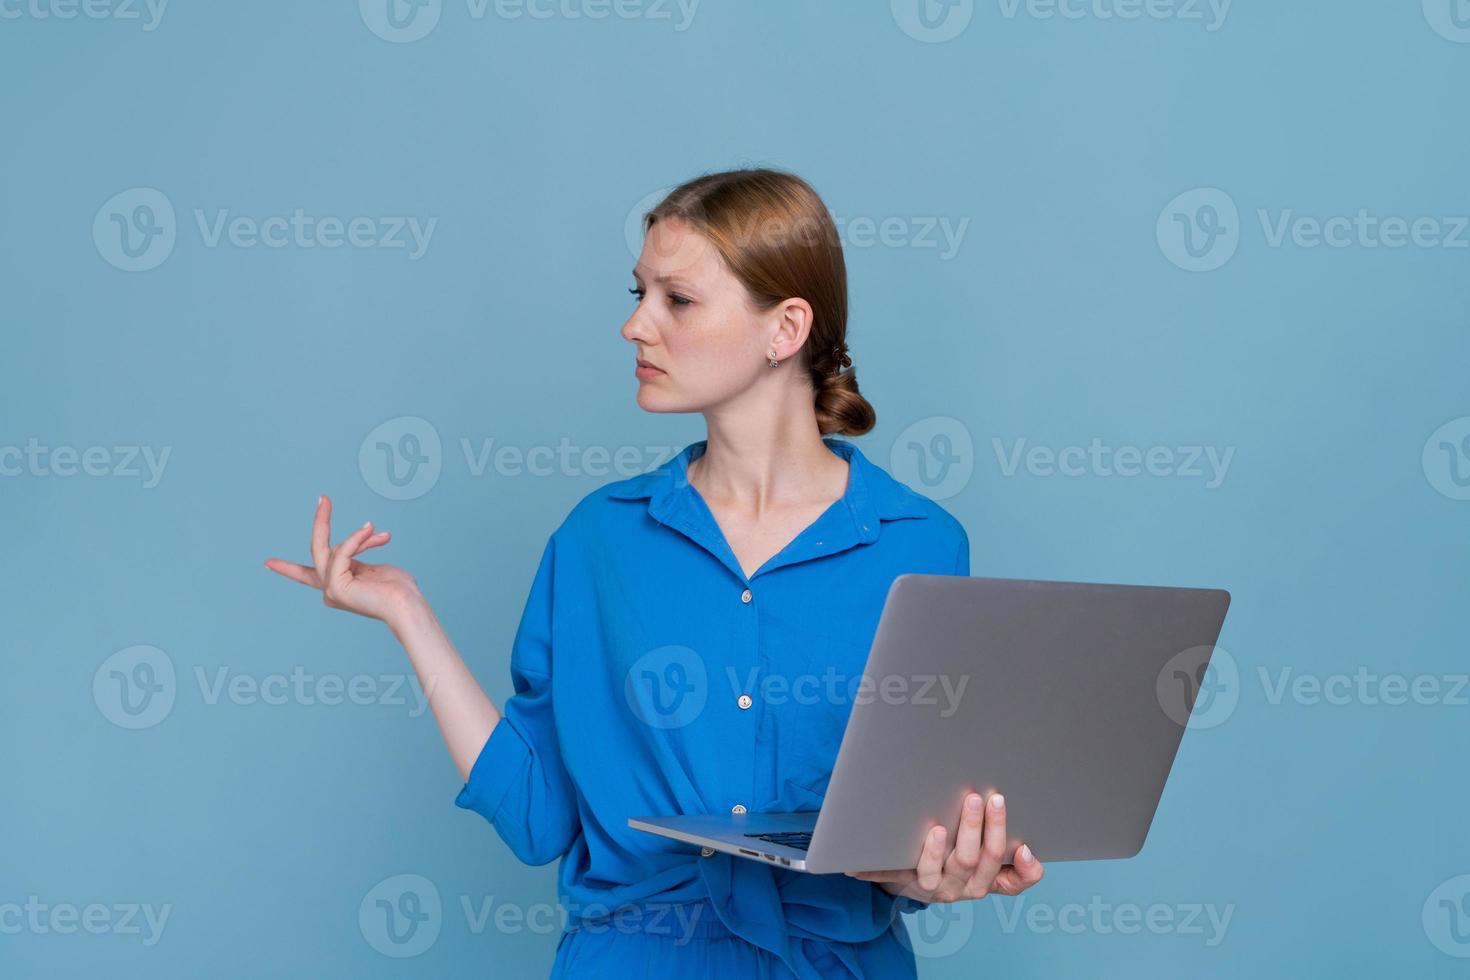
(1063, 316)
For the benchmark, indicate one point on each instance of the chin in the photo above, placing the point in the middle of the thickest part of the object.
(660, 401)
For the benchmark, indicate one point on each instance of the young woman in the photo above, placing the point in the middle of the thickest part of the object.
(694, 634)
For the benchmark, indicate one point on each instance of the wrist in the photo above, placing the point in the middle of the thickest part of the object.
(410, 616)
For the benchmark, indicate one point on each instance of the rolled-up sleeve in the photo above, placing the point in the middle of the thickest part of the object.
(518, 782)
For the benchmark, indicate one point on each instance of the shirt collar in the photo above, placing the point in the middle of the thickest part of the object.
(872, 495)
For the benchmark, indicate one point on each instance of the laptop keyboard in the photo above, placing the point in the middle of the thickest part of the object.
(798, 839)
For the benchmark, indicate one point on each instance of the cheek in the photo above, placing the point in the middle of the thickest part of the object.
(714, 348)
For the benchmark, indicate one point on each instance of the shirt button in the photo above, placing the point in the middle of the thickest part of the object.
(744, 701)
(745, 596)
(738, 808)
(705, 852)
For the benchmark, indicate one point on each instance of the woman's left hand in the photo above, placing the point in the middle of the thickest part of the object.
(973, 869)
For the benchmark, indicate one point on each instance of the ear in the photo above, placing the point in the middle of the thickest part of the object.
(793, 326)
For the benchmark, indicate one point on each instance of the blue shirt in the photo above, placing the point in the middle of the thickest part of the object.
(652, 676)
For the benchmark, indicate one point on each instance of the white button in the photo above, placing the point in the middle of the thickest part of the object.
(744, 701)
(738, 808)
(705, 852)
(745, 596)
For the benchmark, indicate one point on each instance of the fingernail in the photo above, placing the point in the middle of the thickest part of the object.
(319, 500)
(1025, 854)
(973, 803)
(365, 524)
(997, 801)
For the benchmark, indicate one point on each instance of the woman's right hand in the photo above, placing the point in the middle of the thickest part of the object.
(376, 591)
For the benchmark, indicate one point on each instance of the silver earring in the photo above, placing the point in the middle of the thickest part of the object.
(772, 356)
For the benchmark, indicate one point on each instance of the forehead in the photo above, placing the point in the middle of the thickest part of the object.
(674, 250)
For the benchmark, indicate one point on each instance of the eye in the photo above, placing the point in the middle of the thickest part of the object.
(680, 300)
(636, 292)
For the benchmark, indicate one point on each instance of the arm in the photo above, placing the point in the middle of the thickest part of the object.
(510, 760)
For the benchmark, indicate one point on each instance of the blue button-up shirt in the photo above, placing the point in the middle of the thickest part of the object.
(652, 676)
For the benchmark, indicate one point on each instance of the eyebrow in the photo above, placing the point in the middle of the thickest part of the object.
(661, 280)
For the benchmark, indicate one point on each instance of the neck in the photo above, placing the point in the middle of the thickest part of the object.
(768, 458)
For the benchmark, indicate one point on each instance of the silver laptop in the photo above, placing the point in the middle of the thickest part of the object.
(1074, 700)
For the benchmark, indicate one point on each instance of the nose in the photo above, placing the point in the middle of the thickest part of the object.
(635, 328)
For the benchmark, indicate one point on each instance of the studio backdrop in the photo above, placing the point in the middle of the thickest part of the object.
(1143, 291)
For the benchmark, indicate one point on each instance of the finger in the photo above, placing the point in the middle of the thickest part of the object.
(1016, 878)
(992, 846)
(321, 526)
(930, 870)
(377, 540)
(883, 877)
(341, 558)
(965, 857)
(293, 571)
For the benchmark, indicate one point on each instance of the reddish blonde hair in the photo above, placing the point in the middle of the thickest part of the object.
(777, 237)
